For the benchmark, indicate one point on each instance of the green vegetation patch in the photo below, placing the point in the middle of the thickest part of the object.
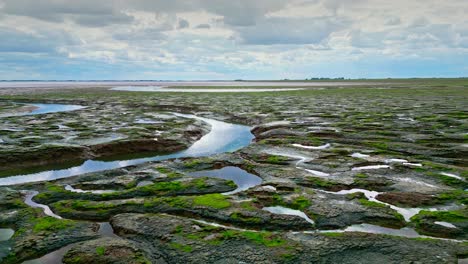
(444, 216)
(100, 251)
(267, 239)
(181, 247)
(460, 196)
(216, 200)
(321, 183)
(51, 224)
(300, 203)
(333, 234)
(368, 203)
(246, 219)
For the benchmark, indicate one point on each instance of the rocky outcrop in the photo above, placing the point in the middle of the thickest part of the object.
(106, 251)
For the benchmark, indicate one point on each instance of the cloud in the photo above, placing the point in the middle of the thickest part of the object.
(24, 42)
(393, 21)
(183, 24)
(203, 26)
(83, 12)
(245, 37)
(272, 31)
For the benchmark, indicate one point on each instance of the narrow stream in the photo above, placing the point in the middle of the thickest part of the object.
(28, 200)
(223, 137)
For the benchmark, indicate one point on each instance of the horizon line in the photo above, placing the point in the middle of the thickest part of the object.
(223, 80)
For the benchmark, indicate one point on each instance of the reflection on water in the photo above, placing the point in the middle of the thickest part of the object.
(28, 200)
(223, 137)
(288, 211)
(53, 108)
(407, 213)
(240, 177)
(106, 230)
(53, 257)
(46, 108)
(6, 234)
(368, 228)
(71, 189)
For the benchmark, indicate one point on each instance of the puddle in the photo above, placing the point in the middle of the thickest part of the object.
(372, 167)
(318, 173)
(419, 165)
(370, 195)
(223, 137)
(48, 108)
(360, 156)
(396, 161)
(288, 211)
(368, 228)
(148, 121)
(374, 229)
(379, 230)
(106, 230)
(28, 200)
(451, 175)
(223, 226)
(6, 234)
(240, 177)
(446, 224)
(301, 159)
(407, 213)
(312, 147)
(144, 183)
(71, 189)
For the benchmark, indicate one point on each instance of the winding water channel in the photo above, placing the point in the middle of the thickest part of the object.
(223, 137)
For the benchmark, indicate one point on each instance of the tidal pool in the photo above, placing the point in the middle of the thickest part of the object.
(71, 189)
(53, 108)
(223, 137)
(368, 228)
(240, 177)
(407, 213)
(6, 234)
(374, 229)
(106, 230)
(288, 211)
(46, 109)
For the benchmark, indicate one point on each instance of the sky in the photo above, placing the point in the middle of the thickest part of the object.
(227, 39)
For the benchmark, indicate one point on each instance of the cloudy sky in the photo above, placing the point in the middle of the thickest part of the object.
(227, 39)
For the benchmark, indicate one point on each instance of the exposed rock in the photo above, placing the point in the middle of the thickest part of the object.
(107, 251)
(406, 199)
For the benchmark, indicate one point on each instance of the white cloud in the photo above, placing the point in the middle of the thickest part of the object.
(232, 36)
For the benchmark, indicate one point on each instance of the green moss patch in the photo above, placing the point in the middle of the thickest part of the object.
(217, 201)
(50, 224)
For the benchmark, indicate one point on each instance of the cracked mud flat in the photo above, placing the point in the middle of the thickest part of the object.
(357, 174)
